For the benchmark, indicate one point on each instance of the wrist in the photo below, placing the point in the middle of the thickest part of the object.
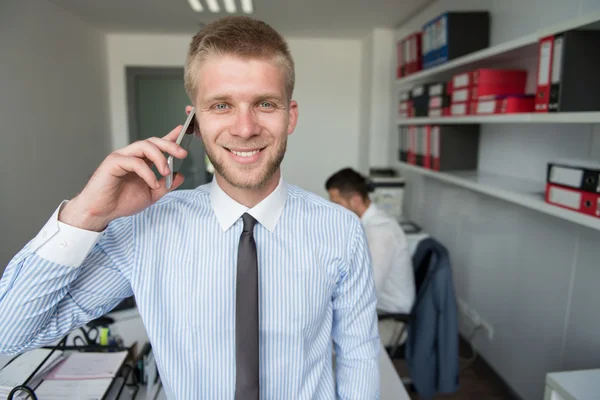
(79, 216)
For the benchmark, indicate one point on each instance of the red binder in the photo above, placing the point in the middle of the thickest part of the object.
(414, 58)
(577, 200)
(412, 145)
(504, 105)
(543, 74)
(400, 68)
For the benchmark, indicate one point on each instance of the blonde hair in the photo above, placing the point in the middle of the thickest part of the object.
(240, 36)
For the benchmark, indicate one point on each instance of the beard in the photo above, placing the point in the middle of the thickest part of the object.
(248, 176)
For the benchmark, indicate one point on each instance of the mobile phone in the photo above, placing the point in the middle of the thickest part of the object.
(184, 139)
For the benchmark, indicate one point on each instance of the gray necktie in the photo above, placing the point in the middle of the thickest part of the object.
(246, 315)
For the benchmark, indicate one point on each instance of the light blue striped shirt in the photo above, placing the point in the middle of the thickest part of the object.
(178, 258)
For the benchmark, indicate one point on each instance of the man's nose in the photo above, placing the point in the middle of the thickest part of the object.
(245, 123)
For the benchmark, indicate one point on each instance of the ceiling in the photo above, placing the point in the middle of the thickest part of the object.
(306, 18)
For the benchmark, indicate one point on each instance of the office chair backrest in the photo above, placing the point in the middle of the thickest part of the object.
(421, 264)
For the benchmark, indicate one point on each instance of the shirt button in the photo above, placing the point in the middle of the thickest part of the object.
(44, 234)
(63, 244)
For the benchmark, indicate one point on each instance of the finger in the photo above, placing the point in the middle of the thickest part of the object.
(121, 165)
(172, 136)
(178, 179)
(169, 147)
(146, 149)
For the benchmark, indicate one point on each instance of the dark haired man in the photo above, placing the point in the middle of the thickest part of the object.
(392, 266)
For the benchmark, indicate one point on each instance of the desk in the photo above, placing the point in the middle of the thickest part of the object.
(391, 387)
(573, 385)
(129, 328)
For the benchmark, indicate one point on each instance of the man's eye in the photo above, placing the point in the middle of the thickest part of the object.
(266, 104)
(221, 106)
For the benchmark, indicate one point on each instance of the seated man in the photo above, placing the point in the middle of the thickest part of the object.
(392, 263)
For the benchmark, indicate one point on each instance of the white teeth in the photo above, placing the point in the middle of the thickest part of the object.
(245, 153)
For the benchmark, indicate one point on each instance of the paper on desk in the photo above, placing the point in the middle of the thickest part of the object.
(81, 389)
(21, 368)
(90, 366)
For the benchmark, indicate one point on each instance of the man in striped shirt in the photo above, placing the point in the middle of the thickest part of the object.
(245, 285)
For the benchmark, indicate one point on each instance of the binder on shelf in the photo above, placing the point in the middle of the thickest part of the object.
(404, 105)
(460, 109)
(484, 82)
(439, 101)
(454, 147)
(438, 89)
(420, 100)
(575, 82)
(580, 175)
(546, 46)
(455, 34)
(463, 80)
(411, 156)
(403, 151)
(400, 50)
(504, 105)
(487, 90)
(416, 52)
(577, 200)
(493, 76)
(422, 158)
(427, 159)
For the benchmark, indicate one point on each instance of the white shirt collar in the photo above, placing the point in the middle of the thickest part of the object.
(267, 212)
(370, 212)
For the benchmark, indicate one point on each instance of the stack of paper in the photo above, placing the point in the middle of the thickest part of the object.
(89, 366)
(82, 376)
(17, 371)
(84, 389)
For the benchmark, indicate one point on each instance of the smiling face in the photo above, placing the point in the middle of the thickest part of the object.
(244, 118)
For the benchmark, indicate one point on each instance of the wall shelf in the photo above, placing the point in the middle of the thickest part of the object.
(519, 48)
(533, 118)
(521, 192)
(514, 49)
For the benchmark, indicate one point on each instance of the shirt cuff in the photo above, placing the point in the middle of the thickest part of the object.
(64, 244)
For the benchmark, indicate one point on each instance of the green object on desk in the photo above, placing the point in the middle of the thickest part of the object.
(103, 337)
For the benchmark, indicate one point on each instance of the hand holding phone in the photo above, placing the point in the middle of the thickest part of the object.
(124, 183)
(184, 139)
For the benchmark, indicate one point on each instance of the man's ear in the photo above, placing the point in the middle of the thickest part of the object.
(188, 110)
(292, 116)
(355, 201)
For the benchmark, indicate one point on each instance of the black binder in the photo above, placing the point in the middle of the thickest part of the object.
(403, 151)
(575, 81)
(582, 175)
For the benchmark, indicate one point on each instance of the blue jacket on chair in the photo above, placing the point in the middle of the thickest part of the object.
(431, 350)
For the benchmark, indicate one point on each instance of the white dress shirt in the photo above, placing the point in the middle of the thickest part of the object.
(392, 263)
(179, 257)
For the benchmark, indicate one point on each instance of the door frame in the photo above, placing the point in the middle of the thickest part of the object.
(132, 74)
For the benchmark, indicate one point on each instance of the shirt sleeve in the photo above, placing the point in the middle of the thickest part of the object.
(62, 279)
(64, 244)
(355, 334)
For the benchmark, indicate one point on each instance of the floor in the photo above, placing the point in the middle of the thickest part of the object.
(477, 382)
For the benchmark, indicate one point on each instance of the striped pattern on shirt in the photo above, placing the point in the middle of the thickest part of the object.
(316, 294)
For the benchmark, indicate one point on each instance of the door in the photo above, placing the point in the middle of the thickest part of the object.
(157, 101)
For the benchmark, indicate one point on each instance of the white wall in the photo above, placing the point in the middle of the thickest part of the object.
(53, 108)
(526, 273)
(328, 90)
(382, 110)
